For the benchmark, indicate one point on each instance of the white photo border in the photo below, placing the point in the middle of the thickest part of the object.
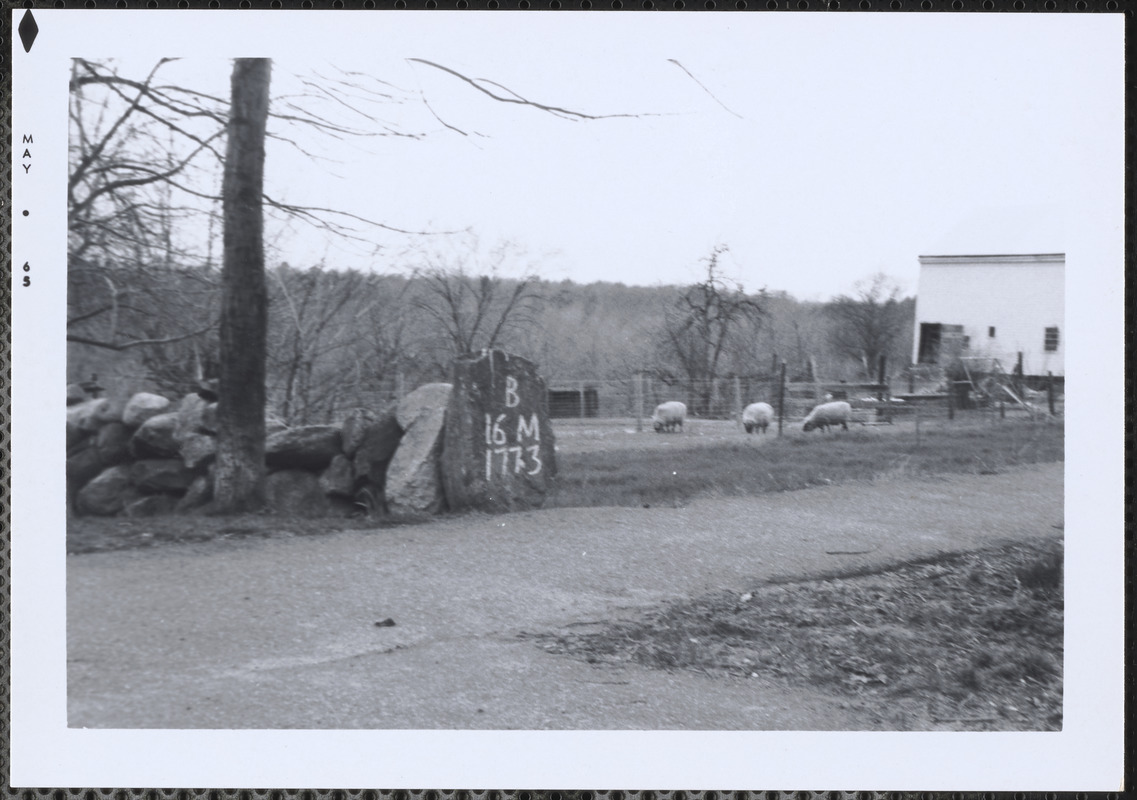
(1085, 755)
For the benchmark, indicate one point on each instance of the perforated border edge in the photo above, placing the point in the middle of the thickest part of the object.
(919, 6)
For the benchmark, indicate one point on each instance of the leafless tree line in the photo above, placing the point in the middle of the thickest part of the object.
(151, 159)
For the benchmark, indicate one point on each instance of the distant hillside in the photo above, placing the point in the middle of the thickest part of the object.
(342, 338)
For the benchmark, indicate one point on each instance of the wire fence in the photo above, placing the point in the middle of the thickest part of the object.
(636, 396)
(724, 399)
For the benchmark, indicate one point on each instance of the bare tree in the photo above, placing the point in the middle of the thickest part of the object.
(471, 304)
(240, 472)
(383, 347)
(311, 323)
(145, 157)
(704, 319)
(122, 213)
(870, 323)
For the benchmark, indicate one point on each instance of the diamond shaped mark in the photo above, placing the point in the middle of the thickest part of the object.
(28, 30)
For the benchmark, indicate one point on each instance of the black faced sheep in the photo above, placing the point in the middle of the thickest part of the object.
(826, 414)
(757, 416)
(669, 416)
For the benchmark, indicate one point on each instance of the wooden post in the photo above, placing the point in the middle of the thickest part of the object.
(1019, 375)
(781, 397)
(738, 399)
(881, 413)
(1050, 391)
(917, 424)
(639, 402)
(1002, 409)
(951, 400)
(582, 399)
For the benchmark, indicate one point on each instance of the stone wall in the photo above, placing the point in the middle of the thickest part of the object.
(486, 445)
(155, 455)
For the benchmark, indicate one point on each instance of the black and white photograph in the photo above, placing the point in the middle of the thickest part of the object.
(565, 399)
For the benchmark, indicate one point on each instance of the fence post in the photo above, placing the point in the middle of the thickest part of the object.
(951, 400)
(738, 399)
(917, 424)
(1050, 391)
(881, 412)
(1019, 375)
(582, 399)
(1002, 409)
(781, 397)
(639, 401)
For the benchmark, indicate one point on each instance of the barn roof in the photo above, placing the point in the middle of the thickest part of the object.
(1000, 258)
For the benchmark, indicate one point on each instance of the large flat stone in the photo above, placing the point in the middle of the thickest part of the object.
(311, 447)
(499, 452)
(414, 482)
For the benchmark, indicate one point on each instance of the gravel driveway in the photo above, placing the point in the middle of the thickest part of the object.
(282, 633)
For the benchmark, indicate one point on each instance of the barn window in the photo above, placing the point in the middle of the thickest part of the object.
(991, 332)
(1050, 342)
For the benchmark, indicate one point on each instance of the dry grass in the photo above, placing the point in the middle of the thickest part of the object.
(740, 465)
(959, 642)
(616, 467)
(99, 534)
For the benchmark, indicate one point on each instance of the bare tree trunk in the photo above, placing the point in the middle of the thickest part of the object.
(239, 480)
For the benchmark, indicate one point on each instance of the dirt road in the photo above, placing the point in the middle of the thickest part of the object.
(282, 633)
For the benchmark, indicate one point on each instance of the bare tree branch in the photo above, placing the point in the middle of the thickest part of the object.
(480, 85)
(704, 88)
(137, 342)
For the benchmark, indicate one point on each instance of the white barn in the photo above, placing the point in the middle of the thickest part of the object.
(994, 306)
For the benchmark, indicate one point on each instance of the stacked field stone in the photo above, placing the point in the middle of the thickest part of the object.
(154, 455)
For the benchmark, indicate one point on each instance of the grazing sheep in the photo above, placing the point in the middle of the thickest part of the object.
(826, 414)
(669, 416)
(757, 416)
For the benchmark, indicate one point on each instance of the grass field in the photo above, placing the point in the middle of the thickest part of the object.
(610, 464)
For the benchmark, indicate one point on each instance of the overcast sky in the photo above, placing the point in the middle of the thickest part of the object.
(819, 149)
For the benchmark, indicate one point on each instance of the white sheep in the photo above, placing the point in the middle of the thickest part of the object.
(669, 416)
(826, 414)
(757, 416)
